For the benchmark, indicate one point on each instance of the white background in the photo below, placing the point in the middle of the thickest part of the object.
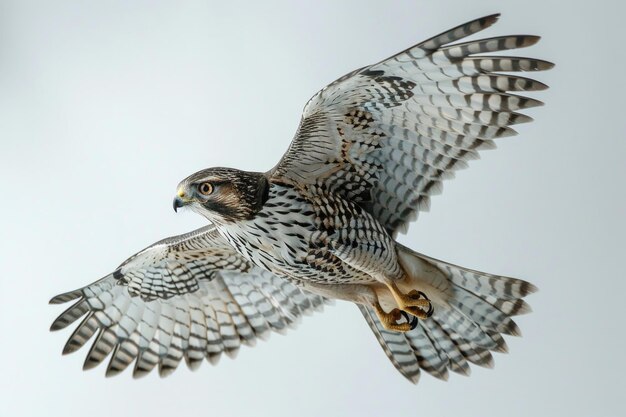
(105, 106)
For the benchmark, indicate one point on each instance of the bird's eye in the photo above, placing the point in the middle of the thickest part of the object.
(205, 188)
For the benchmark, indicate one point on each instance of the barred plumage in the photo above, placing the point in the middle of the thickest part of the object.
(428, 110)
(218, 315)
(370, 151)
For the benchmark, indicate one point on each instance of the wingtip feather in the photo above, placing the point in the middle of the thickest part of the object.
(486, 21)
(531, 289)
(69, 316)
(519, 118)
(65, 297)
(90, 363)
(524, 308)
(528, 40)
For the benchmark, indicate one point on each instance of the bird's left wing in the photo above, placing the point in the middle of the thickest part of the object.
(190, 296)
(387, 135)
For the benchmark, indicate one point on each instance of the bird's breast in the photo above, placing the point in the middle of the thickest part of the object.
(278, 237)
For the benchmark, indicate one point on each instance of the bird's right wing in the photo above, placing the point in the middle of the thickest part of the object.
(386, 136)
(190, 296)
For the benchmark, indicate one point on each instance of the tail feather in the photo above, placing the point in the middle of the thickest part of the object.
(481, 283)
(472, 310)
(480, 311)
(395, 346)
(456, 361)
(473, 353)
(427, 355)
(501, 345)
(509, 307)
(470, 351)
(468, 331)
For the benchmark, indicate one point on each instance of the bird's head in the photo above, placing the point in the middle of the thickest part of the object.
(223, 195)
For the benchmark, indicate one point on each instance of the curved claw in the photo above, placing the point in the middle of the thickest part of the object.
(431, 309)
(412, 321)
(405, 315)
(416, 295)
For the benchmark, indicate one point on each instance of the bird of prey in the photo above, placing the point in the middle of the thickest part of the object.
(371, 149)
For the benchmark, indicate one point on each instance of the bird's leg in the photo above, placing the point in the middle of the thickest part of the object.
(367, 295)
(414, 302)
(391, 320)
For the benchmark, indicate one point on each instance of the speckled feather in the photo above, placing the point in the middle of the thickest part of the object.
(308, 235)
(216, 306)
(388, 134)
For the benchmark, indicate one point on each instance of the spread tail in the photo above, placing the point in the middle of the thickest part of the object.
(472, 310)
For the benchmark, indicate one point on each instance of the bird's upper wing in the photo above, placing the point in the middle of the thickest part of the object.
(190, 296)
(386, 135)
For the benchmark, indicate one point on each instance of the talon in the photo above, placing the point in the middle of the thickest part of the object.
(413, 306)
(411, 319)
(414, 302)
(431, 310)
(405, 315)
(390, 320)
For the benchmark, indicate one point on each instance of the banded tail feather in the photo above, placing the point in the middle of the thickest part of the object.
(472, 310)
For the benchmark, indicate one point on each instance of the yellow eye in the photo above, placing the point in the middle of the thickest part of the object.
(205, 188)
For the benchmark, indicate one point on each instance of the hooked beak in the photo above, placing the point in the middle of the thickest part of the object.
(180, 200)
(178, 203)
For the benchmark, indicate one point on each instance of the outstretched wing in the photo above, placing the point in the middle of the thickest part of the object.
(385, 136)
(189, 296)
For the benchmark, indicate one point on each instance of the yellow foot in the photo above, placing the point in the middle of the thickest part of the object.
(391, 320)
(414, 302)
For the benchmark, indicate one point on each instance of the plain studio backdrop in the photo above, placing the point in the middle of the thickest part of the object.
(105, 106)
